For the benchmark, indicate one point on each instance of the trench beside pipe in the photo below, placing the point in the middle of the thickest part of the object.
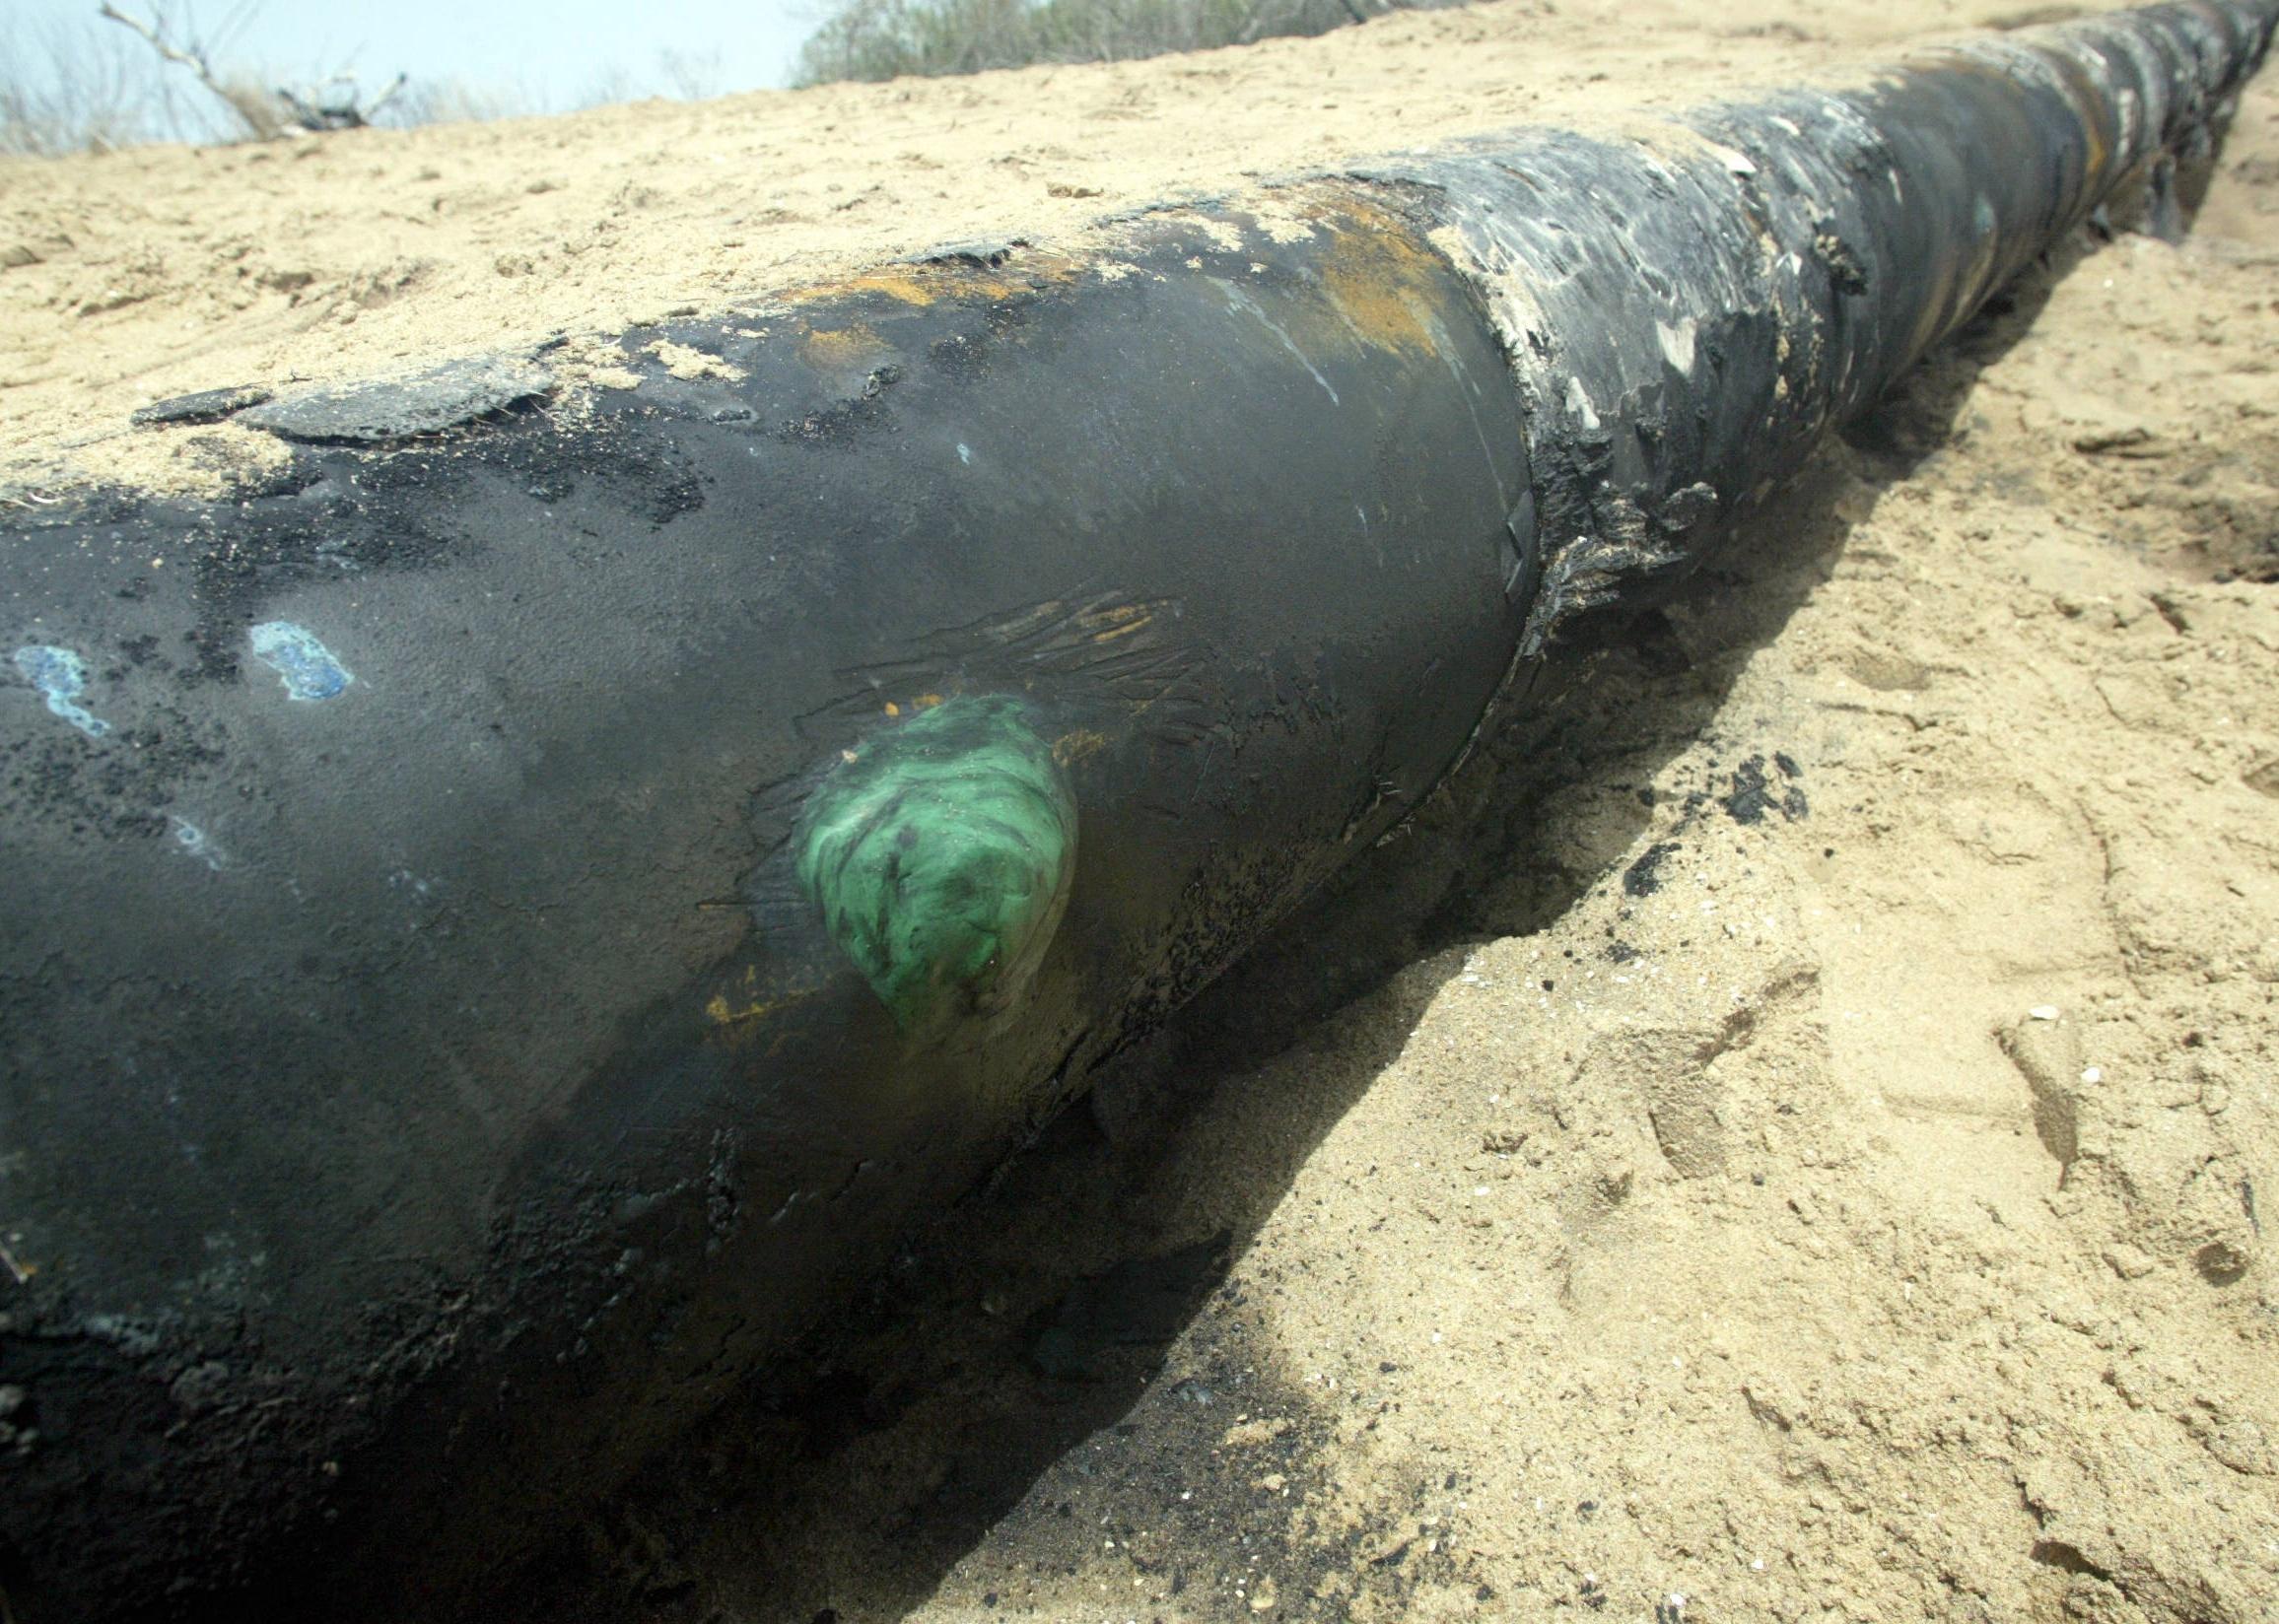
(534, 900)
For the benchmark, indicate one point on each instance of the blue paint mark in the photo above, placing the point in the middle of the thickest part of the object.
(306, 665)
(61, 675)
(194, 843)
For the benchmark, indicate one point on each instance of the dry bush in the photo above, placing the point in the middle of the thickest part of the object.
(132, 73)
(74, 88)
(876, 39)
(451, 102)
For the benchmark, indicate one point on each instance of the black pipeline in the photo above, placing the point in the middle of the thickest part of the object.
(509, 917)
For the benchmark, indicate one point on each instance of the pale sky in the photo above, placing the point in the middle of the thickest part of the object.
(547, 53)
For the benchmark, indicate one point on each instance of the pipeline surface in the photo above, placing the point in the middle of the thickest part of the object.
(534, 898)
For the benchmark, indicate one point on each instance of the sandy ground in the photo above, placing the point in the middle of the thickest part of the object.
(1813, 1163)
(134, 277)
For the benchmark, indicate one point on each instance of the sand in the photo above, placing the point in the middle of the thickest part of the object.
(1813, 1164)
(137, 276)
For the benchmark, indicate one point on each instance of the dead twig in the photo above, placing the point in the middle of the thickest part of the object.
(249, 106)
(349, 114)
(385, 97)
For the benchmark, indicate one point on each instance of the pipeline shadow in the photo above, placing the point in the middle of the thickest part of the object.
(1032, 1321)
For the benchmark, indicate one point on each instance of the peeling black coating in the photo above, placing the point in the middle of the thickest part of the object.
(1754, 794)
(443, 397)
(1644, 877)
(1687, 315)
(205, 406)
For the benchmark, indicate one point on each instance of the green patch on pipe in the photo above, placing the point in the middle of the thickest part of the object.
(940, 854)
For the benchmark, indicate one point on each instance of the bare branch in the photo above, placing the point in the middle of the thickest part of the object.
(385, 97)
(249, 106)
(305, 115)
(194, 60)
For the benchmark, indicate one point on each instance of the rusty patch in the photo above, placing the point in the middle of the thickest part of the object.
(828, 349)
(921, 286)
(1383, 280)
